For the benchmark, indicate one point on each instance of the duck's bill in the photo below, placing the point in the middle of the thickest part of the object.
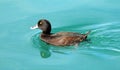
(34, 27)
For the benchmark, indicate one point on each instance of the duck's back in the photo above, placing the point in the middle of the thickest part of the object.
(64, 38)
(67, 34)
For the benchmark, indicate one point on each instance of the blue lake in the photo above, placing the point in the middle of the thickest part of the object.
(21, 48)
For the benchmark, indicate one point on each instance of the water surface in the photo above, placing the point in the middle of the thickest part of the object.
(21, 48)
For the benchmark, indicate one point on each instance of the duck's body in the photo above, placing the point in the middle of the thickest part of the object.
(63, 38)
(60, 38)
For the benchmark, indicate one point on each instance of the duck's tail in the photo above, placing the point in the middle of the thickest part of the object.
(88, 33)
(85, 35)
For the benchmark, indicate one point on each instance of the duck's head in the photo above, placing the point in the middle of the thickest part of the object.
(44, 25)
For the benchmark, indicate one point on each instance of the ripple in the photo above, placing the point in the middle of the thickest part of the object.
(104, 40)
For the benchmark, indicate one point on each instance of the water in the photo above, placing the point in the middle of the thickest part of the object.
(21, 48)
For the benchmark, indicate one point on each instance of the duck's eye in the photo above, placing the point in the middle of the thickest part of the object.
(41, 23)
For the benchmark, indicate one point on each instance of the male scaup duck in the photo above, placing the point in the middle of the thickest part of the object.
(60, 38)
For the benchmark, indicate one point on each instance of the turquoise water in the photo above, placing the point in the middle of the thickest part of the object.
(21, 48)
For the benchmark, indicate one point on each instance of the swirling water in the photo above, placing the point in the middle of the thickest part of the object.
(21, 48)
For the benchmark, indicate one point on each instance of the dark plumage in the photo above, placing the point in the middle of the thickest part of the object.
(60, 38)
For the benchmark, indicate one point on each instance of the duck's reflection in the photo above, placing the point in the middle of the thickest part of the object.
(45, 51)
(42, 46)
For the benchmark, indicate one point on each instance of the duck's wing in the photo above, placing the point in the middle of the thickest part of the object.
(66, 34)
(63, 40)
(71, 34)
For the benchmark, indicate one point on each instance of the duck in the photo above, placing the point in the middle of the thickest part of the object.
(59, 38)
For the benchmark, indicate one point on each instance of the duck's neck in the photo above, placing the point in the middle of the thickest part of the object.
(47, 30)
(46, 33)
